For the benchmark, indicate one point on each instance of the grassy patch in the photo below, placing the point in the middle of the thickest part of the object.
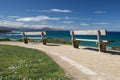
(18, 63)
(5, 39)
(116, 48)
(58, 40)
(51, 40)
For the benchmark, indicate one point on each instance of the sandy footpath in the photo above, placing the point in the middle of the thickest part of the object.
(82, 63)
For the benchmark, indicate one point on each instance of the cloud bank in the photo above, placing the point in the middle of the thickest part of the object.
(10, 23)
(37, 18)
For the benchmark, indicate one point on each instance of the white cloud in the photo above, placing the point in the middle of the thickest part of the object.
(101, 23)
(10, 23)
(13, 16)
(15, 24)
(1, 16)
(28, 10)
(85, 18)
(7, 23)
(37, 26)
(67, 17)
(51, 10)
(37, 18)
(67, 22)
(58, 10)
(100, 12)
(71, 18)
(84, 24)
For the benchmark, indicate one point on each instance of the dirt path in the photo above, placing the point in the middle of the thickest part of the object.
(80, 64)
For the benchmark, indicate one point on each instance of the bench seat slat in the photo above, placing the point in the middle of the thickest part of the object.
(34, 38)
(92, 40)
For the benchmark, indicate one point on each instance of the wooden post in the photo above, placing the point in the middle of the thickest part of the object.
(99, 41)
(103, 46)
(25, 38)
(72, 36)
(75, 43)
(44, 40)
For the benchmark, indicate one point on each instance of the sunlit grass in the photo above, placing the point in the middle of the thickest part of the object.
(17, 63)
(116, 48)
(58, 40)
(5, 39)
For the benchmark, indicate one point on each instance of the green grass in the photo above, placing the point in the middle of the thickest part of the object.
(5, 39)
(58, 40)
(116, 48)
(18, 63)
(52, 40)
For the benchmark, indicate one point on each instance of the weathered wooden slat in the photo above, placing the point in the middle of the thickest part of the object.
(91, 40)
(88, 32)
(34, 33)
(35, 38)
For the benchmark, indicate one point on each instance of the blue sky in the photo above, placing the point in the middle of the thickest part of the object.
(61, 14)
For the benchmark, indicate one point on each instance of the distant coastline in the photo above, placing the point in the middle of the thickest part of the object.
(5, 31)
(10, 29)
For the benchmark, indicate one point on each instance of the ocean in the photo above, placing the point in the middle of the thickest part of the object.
(114, 36)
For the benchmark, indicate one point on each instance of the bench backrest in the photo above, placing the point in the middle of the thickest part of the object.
(88, 32)
(34, 33)
(31, 35)
(98, 33)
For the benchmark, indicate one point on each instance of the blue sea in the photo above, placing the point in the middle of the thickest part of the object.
(114, 36)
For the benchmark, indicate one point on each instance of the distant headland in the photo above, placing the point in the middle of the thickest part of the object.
(10, 29)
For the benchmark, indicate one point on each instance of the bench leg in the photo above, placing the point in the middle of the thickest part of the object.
(44, 41)
(75, 43)
(25, 41)
(102, 47)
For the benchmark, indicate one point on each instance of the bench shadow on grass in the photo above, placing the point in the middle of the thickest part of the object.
(112, 52)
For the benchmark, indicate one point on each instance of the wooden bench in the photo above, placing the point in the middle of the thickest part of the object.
(31, 35)
(101, 43)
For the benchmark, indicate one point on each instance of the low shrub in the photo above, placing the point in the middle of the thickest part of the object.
(5, 39)
(58, 40)
(116, 48)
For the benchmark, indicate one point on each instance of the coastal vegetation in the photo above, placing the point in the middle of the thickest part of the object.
(58, 40)
(52, 40)
(5, 39)
(116, 48)
(18, 63)
(5, 31)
